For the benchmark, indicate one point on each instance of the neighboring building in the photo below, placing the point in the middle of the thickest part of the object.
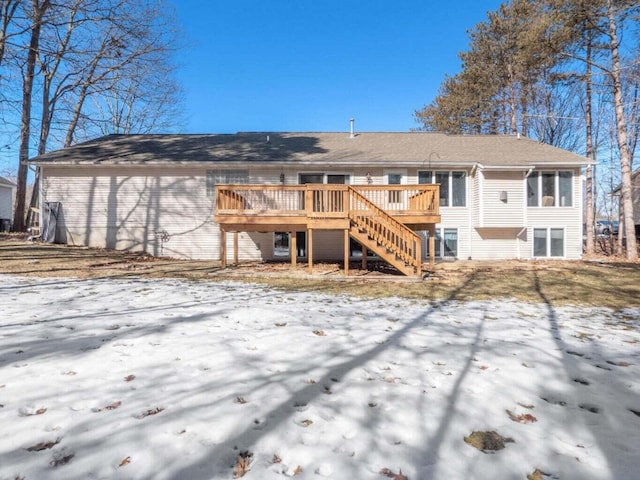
(500, 197)
(6, 203)
(635, 195)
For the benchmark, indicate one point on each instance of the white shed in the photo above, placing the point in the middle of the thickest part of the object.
(6, 202)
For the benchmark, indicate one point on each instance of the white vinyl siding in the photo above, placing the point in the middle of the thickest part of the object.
(499, 244)
(502, 200)
(476, 195)
(165, 214)
(6, 203)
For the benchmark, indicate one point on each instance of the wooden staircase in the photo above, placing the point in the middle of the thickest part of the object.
(379, 232)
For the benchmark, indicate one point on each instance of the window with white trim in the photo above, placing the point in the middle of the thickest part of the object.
(394, 179)
(548, 242)
(453, 186)
(550, 189)
(446, 243)
(233, 177)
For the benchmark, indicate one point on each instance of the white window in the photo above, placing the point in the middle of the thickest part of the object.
(548, 242)
(446, 243)
(453, 186)
(394, 179)
(550, 189)
(223, 177)
(324, 178)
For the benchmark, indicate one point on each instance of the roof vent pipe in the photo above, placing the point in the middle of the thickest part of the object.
(351, 122)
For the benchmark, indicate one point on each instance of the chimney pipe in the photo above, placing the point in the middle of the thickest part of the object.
(351, 122)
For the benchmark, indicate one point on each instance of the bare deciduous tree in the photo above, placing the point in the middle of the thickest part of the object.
(78, 50)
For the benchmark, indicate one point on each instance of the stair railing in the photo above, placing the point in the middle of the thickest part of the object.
(387, 232)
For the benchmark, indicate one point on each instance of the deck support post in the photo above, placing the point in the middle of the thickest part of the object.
(293, 247)
(364, 257)
(235, 248)
(346, 252)
(418, 252)
(432, 246)
(223, 248)
(310, 249)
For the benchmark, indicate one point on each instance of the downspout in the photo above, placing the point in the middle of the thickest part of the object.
(40, 202)
(471, 208)
(524, 206)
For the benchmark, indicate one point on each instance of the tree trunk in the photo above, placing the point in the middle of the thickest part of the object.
(621, 134)
(513, 121)
(589, 214)
(25, 118)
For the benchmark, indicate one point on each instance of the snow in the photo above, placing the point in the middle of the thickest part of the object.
(171, 379)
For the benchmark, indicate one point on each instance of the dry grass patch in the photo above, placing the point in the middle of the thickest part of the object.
(612, 283)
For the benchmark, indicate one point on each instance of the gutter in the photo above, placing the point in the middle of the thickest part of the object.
(255, 163)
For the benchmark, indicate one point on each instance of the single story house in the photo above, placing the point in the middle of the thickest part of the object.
(7, 188)
(320, 195)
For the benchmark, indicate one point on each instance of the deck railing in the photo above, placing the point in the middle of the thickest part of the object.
(323, 201)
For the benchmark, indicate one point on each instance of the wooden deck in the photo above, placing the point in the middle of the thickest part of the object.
(381, 217)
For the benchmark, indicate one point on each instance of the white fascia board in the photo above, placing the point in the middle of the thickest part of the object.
(505, 167)
(567, 164)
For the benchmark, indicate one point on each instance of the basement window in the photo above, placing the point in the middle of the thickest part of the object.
(548, 242)
(446, 243)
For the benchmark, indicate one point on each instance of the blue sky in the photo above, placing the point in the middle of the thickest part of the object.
(310, 65)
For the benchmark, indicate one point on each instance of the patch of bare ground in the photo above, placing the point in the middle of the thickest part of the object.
(606, 281)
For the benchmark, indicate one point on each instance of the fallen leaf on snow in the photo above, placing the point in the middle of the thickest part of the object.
(38, 447)
(125, 461)
(242, 464)
(297, 471)
(487, 441)
(319, 333)
(276, 459)
(619, 364)
(395, 476)
(56, 462)
(153, 411)
(537, 475)
(26, 412)
(128, 378)
(111, 406)
(522, 418)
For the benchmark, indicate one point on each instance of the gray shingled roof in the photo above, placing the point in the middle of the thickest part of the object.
(6, 183)
(415, 148)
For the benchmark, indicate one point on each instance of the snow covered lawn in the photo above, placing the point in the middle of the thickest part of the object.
(169, 379)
